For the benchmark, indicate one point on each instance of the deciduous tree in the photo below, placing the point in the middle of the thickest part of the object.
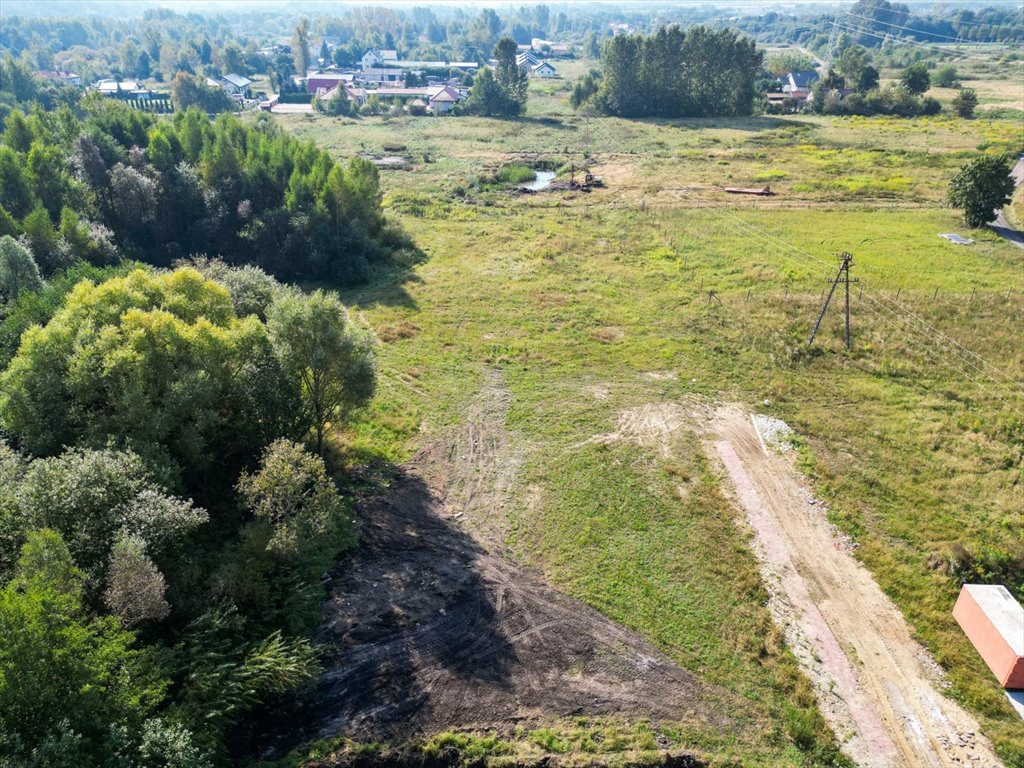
(916, 79)
(292, 493)
(965, 102)
(68, 683)
(18, 270)
(981, 187)
(320, 348)
(300, 47)
(135, 588)
(155, 361)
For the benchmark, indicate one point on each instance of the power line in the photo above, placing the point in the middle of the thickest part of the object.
(923, 326)
(902, 41)
(1015, 27)
(859, 29)
(912, 322)
(900, 26)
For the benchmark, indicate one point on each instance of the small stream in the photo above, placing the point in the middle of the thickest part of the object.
(543, 181)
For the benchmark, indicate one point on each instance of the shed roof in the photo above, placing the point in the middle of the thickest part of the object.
(237, 80)
(1005, 613)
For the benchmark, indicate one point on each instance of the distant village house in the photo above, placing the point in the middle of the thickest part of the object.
(544, 69)
(61, 77)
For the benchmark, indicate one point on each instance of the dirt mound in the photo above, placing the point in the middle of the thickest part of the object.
(428, 629)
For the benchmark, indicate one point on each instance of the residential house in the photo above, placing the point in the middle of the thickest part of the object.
(60, 76)
(442, 100)
(544, 69)
(123, 89)
(796, 89)
(439, 99)
(378, 58)
(236, 86)
(352, 93)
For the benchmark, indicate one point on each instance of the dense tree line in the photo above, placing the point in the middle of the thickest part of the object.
(162, 527)
(699, 72)
(122, 184)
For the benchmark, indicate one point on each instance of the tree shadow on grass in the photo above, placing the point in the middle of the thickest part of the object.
(385, 289)
(408, 620)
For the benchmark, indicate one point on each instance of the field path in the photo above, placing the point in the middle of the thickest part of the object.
(874, 682)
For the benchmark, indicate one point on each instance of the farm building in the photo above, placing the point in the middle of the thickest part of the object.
(383, 74)
(129, 90)
(544, 69)
(550, 48)
(526, 60)
(994, 622)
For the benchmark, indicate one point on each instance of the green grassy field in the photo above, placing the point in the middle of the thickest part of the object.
(589, 304)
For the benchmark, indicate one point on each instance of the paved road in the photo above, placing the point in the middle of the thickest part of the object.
(1001, 226)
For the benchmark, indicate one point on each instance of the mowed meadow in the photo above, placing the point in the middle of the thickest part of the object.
(659, 288)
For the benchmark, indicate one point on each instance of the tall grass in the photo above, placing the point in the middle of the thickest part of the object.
(516, 173)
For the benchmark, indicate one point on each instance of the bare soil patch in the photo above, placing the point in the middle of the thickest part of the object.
(428, 627)
(874, 682)
(653, 425)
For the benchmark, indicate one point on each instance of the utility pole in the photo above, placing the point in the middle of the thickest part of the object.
(842, 276)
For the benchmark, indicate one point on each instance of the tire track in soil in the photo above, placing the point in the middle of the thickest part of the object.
(428, 627)
(853, 642)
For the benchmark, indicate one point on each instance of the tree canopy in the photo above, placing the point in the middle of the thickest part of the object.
(319, 347)
(136, 626)
(981, 187)
(121, 184)
(156, 362)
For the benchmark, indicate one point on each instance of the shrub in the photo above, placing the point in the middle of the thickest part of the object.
(965, 102)
(946, 77)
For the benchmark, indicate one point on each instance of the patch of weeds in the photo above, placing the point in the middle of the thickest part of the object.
(771, 175)
(389, 333)
(548, 740)
(468, 745)
(516, 173)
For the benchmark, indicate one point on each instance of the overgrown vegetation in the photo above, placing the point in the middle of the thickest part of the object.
(122, 184)
(147, 605)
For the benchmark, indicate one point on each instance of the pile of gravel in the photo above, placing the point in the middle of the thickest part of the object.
(774, 432)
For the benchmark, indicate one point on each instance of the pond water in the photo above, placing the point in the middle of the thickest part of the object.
(543, 181)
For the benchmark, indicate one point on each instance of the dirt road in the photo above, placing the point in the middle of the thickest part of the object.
(874, 682)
